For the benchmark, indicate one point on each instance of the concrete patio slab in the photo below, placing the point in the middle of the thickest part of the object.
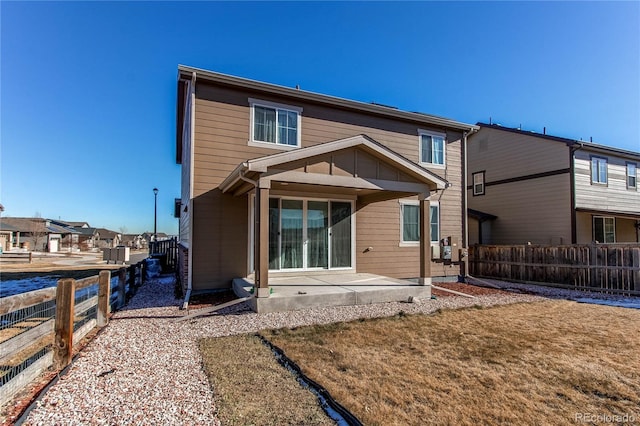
(295, 292)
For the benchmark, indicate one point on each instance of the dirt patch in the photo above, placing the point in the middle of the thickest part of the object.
(538, 363)
(251, 388)
(469, 289)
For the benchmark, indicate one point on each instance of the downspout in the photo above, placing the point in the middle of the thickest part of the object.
(192, 132)
(572, 183)
(465, 224)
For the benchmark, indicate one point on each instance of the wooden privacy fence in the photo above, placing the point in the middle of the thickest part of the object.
(166, 251)
(611, 268)
(39, 328)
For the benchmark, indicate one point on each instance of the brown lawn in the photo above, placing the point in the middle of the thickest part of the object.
(251, 388)
(537, 363)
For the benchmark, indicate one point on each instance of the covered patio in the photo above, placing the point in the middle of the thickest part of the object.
(295, 292)
(303, 203)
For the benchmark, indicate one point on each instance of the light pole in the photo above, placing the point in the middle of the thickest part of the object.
(155, 214)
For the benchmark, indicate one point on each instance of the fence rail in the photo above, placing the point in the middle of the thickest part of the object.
(18, 257)
(39, 328)
(166, 251)
(610, 268)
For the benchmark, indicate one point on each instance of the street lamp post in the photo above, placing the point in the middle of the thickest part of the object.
(155, 214)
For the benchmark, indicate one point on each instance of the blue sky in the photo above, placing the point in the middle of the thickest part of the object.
(88, 89)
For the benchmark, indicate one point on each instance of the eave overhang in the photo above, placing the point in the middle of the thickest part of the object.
(185, 72)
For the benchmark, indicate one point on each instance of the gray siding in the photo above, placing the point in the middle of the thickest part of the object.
(614, 196)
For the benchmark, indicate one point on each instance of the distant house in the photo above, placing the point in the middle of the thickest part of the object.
(530, 187)
(108, 238)
(38, 234)
(7, 233)
(148, 236)
(135, 241)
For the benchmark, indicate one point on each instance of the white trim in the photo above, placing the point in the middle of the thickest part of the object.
(431, 133)
(412, 202)
(604, 232)
(473, 183)
(277, 106)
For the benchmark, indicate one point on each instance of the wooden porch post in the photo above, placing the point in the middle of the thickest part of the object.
(261, 229)
(425, 240)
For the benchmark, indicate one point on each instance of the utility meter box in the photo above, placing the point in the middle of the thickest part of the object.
(449, 249)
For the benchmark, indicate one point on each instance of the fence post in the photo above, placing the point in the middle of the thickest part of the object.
(143, 265)
(104, 297)
(132, 279)
(65, 304)
(122, 277)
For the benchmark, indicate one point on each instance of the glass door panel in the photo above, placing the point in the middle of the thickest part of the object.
(274, 233)
(340, 234)
(317, 234)
(291, 234)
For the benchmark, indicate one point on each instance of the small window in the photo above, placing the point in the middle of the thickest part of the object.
(604, 229)
(275, 124)
(432, 148)
(632, 179)
(478, 183)
(410, 220)
(598, 170)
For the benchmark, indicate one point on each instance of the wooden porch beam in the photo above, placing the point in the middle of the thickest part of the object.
(425, 240)
(261, 238)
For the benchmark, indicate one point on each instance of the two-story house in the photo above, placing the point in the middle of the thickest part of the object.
(530, 187)
(281, 180)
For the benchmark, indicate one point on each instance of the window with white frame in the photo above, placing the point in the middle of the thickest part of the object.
(410, 222)
(478, 183)
(632, 179)
(432, 148)
(275, 124)
(604, 229)
(598, 170)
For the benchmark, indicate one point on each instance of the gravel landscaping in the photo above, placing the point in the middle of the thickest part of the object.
(145, 368)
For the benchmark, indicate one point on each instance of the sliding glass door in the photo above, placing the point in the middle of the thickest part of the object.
(309, 234)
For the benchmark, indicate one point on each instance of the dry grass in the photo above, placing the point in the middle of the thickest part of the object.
(251, 388)
(540, 363)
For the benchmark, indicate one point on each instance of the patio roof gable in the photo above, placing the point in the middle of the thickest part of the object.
(358, 161)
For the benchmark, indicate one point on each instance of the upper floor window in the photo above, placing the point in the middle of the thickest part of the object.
(410, 221)
(632, 179)
(598, 170)
(432, 148)
(604, 229)
(478, 183)
(275, 124)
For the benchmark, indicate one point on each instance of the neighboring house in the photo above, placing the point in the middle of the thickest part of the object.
(38, 234)
(277, 180)
(530, 187)
(7, 233)
(135, 241)
(108, 238)
(160, 236)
